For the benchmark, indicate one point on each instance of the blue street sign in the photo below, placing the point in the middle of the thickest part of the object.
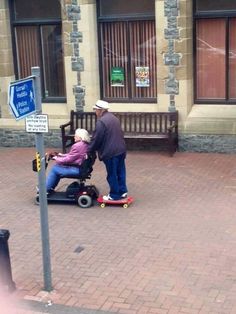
(22, 98)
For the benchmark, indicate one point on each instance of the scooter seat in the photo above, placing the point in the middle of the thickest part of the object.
(85, 168)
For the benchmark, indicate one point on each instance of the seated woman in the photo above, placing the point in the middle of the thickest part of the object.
(67, 165)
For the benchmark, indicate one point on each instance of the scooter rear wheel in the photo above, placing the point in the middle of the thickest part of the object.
(84, 201)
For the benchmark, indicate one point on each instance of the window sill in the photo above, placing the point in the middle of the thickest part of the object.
(213, 111)
(211, 119)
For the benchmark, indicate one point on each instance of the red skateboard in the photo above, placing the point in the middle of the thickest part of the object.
(125, 202)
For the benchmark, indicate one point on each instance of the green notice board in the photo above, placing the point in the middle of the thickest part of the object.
(117, 76)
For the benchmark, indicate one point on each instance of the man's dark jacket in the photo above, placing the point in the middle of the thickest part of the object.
(108, 138)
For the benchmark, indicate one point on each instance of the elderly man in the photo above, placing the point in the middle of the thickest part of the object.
(108, 141)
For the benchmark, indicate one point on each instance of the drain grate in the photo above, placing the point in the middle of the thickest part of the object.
(79, 249)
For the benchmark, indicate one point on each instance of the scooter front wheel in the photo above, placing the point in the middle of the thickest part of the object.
(84, 201)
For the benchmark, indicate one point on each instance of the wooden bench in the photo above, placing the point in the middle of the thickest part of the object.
(135, 125)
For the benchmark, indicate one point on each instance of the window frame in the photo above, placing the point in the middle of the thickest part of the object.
(126, 19)
(37, 23)
(216, 14)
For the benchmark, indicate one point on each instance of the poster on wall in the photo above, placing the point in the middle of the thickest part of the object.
(142, 76)
(117, 77)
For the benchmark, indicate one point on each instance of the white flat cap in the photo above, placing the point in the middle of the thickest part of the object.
(101, 104)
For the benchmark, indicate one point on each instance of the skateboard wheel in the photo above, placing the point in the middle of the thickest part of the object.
(125, 206)
(103, 205)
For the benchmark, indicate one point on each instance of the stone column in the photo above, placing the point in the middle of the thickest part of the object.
(171, 58)
(74, 37)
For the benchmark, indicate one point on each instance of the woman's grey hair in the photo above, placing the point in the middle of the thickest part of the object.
(83, 134)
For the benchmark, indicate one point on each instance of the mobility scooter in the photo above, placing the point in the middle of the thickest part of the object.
(77, 192)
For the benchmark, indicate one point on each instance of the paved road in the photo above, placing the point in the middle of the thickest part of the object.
(172, 251)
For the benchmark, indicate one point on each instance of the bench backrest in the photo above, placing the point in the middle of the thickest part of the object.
(131, 122)
(83, 120)
(146, 122)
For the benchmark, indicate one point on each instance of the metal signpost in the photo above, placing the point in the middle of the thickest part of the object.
(24, 100)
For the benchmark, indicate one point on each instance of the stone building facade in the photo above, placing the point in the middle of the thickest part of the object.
(202, 126)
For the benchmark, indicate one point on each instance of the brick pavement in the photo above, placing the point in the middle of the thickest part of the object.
(172, 251)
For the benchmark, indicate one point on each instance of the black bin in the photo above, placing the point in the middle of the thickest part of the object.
(5, 262)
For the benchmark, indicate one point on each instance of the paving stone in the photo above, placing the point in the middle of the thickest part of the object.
(172, 251)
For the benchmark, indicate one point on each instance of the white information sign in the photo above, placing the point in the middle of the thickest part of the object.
(37, 123)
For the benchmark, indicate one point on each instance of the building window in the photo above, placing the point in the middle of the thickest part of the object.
(215, 49)
(127, 50)
(37, 41)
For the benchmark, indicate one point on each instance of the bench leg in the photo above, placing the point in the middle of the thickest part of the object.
(171, 151)
(172, 146)
(177, 143)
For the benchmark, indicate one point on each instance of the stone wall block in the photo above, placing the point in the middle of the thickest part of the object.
(172, 22)
(73, 12)
(185, 7)
(171, 12)
(73, 16)
(5, 56)
(20, 138)
(185, 32)
(79, 89)
(161, 86)
(207, 143)
(163, 72)
(68, 50)
(77, 64)
(183, 45)
(182, 73)
(79, 101)
(6, 69)
(162, 46)
(186, 59)
(171, 59)
(73, 8)
(184, 22)
(171, 4)
(172, 33)
(76, 36)
(67, 26)
(172, 87)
